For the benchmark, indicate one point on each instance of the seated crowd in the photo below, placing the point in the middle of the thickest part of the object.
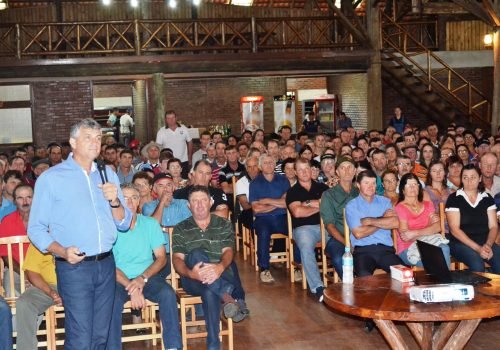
(383, 181)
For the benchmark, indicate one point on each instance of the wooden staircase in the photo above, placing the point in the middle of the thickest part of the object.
(440, 92)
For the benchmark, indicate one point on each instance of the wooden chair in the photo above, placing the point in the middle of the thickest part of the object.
(186, 305)
(328, 273)
(276, 257)
(248, 244)
(236, 224)
(294, 265)
(16, 243)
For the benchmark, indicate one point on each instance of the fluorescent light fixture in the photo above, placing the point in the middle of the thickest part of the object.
(196, 2)
(242, 2)
(134, 3)
(172, 4)
(3, 5)
(106, 2)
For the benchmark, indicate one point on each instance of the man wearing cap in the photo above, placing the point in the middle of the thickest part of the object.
(177, 138)
(332, 205)
(126, 125)
(138, 277)
(37, 168)
(151, 152)
(482, 147)
(327, 174)
(303, 199)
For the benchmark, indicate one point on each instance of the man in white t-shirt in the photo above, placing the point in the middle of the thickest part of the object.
(177, 138)
(126, 124)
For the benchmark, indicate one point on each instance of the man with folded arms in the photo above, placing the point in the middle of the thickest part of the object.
(202, 254)
(137, 277)
(76, 212)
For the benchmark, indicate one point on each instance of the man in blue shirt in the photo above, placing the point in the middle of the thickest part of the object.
(76, 212)
(137, 274)
(267, 197)
(371, 218)
(11, 179)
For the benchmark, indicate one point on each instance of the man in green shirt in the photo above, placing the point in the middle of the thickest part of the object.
(202, 248)
(332, 205)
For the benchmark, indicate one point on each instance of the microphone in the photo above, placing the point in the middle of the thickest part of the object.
(101, 167)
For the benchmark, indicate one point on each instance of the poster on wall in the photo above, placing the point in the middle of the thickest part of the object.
(284, 112)
(252, 113)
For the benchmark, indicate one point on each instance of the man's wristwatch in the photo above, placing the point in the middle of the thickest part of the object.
(115, 206)
(144, 278)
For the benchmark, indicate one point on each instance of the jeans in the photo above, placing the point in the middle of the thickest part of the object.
(158, 291)
(32, 303)
(306, 237)
(211, 295)
(473, 260)
(444, 247)
(368, 258)
(265, 226)
(5, 326)
(88, 291)
(335, 249)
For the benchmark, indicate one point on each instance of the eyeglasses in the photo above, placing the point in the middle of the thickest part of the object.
(404, 164)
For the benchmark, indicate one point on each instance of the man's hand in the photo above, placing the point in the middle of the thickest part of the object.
(137, 284)
(166, 198)
(195, 272)
(137, 300)
(408, 235)
(71, 255)
(110, 192)
(210, 273)
(56, 297)
(486, 252)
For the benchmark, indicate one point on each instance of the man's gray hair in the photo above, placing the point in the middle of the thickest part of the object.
(264, 156)
(87, 123)
(129, 186)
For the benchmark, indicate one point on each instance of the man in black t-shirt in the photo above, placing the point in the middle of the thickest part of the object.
(202, 173)
(302, 199)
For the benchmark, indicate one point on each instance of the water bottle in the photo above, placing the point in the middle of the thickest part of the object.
(347, 267)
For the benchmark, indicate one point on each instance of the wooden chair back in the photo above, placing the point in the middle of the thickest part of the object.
(14, 243)
(324, 258)
(347, 233)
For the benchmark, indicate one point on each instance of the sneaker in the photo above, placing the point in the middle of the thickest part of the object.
(319, 293)
(297, 274)
(243, 306)
(266, 277)
(231, 310)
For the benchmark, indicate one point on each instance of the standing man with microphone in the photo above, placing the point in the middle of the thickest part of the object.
(75, 215)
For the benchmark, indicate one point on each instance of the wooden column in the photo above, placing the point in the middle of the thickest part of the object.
(495, 112)
(140, 109)
(158, 94)
(374, 93)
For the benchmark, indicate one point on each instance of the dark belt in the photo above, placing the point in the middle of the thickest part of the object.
(97, 257)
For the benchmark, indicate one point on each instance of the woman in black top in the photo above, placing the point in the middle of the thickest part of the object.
(471, 215)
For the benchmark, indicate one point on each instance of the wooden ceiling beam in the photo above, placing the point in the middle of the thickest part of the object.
(491, 12)
(360, 36)
(476, 9)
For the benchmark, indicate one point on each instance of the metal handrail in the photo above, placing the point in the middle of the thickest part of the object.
(474, 99)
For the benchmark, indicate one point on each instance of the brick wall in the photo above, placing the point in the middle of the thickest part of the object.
(352, 91)
(56, 106)
(112, 90)
(203, 102)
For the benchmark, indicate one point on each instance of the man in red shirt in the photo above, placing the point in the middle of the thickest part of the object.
(15, 224)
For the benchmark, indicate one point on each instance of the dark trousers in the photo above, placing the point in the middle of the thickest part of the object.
(211, 295)
(335, 249)
(265, 226)
(157, 290)
(5, 326)
(88, 292)
(370, 257)
(472, 259)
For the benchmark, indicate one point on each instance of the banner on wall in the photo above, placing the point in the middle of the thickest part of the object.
(252, 113)
(284, 112)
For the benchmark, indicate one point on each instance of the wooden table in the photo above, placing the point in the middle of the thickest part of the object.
(386, 300)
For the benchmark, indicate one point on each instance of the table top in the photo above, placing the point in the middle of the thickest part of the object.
(380, 297)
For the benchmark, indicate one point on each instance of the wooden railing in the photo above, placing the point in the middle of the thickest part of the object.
(138, 37)
(435, 73)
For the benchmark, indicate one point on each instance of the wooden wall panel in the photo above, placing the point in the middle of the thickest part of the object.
(28, 14)
(465, 35)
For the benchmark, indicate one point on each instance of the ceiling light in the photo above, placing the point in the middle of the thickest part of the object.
(488, 40)
(172, 4)
(242, 2)
(106, 2)
(3, 5)
(196, 2)
(134, 3)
